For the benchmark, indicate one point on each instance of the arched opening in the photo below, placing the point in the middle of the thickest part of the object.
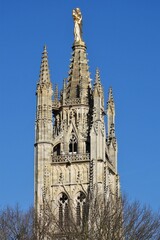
(81, 210)
(87, 147)
(77, 91)
(73, 145)
(63, 210)
(57, 150)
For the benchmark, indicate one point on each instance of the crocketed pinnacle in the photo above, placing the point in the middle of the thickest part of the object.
(56, 93)
(97, 84)
(110, 103)
(97, 77)
(111, 94)
(44, 76)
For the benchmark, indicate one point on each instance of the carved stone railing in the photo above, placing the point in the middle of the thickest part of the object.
(76, 101)
(72, 101)
(69, 102)
(71, 158)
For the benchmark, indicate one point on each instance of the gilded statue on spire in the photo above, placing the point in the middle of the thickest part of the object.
(77, 17)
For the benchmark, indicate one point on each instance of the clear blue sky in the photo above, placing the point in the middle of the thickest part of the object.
(123, 40)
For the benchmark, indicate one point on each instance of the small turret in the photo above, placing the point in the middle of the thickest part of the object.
(44, 131)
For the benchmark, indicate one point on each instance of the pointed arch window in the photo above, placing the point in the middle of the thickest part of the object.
(63, 210)
(81, 210)
(73, 145)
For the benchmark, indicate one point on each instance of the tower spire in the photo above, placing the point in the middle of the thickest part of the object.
(78, 84)
(44, 76)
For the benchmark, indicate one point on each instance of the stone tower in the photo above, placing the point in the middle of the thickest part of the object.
(74, 157)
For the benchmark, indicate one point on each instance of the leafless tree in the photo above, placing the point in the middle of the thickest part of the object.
(16, 224)
(106, 220)
(140, 222)
(103, 220)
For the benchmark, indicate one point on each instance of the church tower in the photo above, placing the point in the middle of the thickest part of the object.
(74, 157)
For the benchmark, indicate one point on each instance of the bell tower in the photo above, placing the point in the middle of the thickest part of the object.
(74, 157)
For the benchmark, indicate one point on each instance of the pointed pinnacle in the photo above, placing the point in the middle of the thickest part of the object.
(44, 53)
(64, 83)
(97, 77)
(110, 97)
(56, 92)
(45, 48)
(44, 69)
(110, 102)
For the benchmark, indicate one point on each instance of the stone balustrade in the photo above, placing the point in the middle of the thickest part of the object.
(71, 158)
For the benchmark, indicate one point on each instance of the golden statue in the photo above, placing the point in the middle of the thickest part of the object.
(77, 17)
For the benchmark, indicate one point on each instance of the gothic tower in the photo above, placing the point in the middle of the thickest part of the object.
(74, 157)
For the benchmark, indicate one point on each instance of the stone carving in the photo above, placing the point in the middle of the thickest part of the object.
(79, 176)
(95, 125)
(61, 178)
(91, 175)
(77, 17)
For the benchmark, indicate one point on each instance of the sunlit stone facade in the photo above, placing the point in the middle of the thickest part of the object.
(74, 156)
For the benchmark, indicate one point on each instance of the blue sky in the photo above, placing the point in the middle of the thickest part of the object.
(123, 40)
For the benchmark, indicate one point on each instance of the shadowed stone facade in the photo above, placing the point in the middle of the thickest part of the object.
(74, 157)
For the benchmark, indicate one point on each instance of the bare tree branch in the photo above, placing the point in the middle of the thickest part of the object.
(103, 220)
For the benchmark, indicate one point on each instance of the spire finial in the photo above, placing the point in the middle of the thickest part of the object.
(44, 69)
(45, 48)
